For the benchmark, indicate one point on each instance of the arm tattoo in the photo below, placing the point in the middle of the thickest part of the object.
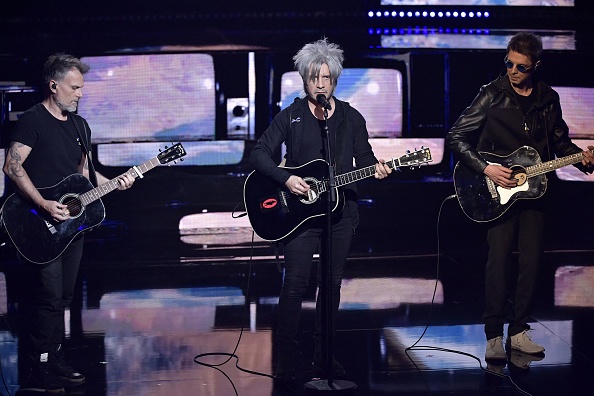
(15, 167)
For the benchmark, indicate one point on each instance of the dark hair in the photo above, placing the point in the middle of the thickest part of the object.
(527, 44)
(58, 65)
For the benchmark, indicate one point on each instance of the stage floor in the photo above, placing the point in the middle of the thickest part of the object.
(408, 325)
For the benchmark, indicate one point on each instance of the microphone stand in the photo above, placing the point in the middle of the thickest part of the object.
(325, 293)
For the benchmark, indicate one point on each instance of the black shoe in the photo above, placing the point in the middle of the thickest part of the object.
(286, 362)
(319, 369)
(285, 369)
(61, 369)
(42, 380)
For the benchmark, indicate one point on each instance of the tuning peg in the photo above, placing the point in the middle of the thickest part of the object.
(407, 151)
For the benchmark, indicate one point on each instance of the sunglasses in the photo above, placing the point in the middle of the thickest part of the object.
(521, 68)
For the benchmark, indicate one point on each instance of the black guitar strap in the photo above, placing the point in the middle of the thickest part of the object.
(85, 141)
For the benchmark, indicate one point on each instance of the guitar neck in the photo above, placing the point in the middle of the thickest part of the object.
(552, 165)
(113, 184)
(359, 174)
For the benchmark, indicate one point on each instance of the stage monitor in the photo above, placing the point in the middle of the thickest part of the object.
(149, 98)
(376, 93)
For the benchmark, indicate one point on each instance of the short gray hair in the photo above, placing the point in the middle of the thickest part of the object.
(58, 65)
(310, 58)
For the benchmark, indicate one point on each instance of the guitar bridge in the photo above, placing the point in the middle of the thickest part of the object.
(491, 187)
(283, 201)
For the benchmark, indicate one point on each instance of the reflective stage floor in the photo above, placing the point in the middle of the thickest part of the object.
(205, 327)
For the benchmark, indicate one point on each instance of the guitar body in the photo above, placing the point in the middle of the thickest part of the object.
(36, 235)
(39, 238)
(275, 212)
(482, 201)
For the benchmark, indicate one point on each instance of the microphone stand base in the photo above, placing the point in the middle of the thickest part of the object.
(323, 385)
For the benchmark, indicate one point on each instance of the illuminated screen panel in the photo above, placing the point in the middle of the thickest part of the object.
(376, 93)
(573, 286)
(452, 38)
(523, 3)
(570, 172)
(577, 104)
(146, 98)
(205, 153)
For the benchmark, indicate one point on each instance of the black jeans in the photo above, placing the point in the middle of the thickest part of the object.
(299, 253)
(51, 289)
(527, 227)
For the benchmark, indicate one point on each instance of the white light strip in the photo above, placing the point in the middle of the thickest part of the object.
(251, 95)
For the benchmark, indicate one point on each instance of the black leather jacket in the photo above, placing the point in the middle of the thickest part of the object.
(495, 123)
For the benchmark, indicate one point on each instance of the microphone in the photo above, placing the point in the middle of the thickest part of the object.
(321, 99)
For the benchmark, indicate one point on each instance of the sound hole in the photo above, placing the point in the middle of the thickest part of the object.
(313, 193)
(75, 207)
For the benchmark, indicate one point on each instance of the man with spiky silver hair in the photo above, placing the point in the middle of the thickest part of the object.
(302, 128)
(310, 59)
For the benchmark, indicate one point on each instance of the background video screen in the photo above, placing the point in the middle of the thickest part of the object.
(522, 3)
(577, 104)
(376, 93)
(150, 98)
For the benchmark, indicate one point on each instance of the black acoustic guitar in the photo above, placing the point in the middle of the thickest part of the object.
(39, 238)
(275, 212)
(482, 200)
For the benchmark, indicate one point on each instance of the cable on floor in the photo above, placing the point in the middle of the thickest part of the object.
(198, 358)
(415, 347)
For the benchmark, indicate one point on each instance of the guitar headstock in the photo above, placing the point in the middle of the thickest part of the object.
(416, 158)
(172, 153)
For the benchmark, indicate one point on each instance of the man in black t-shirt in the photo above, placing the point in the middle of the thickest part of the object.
(45, 148)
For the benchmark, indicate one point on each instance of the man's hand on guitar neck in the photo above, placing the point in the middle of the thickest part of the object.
(500, 175)
(125, 180)
(382, 170)
(588, 159)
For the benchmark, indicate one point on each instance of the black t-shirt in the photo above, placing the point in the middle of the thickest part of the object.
(313, 144)
(55, 149)
(526, 102)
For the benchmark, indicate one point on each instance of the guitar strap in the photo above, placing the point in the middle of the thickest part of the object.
(340, 136)
(86, 145)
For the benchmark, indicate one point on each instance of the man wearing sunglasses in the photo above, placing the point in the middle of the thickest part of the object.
(512, 111)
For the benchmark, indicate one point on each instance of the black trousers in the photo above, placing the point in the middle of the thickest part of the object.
(299, 253)
(526, 226)
(51, 289)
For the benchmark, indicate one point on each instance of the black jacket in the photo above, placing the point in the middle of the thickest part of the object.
(494, 122)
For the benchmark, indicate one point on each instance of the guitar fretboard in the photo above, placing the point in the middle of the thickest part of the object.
(411, 159)
(113, 184)
(549, 166)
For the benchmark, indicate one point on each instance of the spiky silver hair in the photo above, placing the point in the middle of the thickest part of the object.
(312, 56)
